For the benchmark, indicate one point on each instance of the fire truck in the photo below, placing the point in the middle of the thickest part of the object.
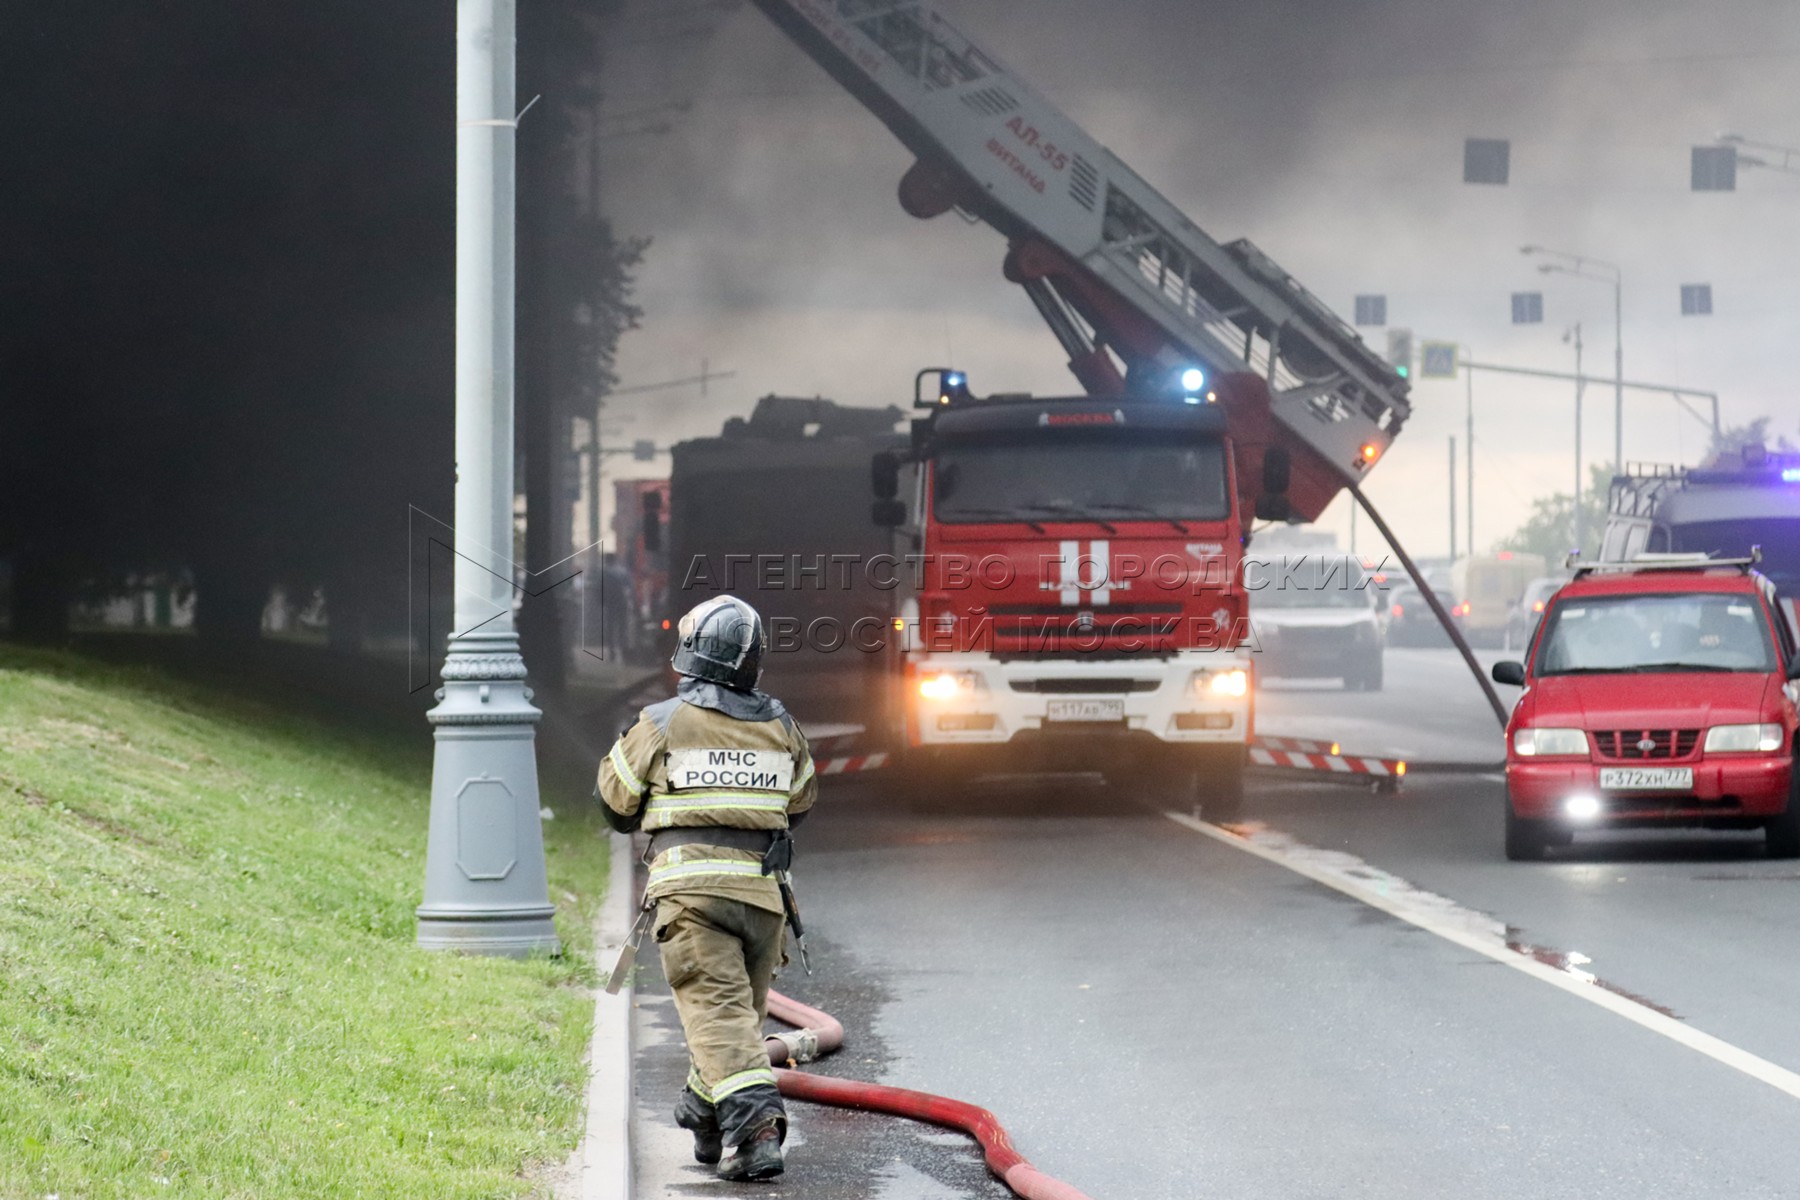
(1073, 597)
(1073, 593)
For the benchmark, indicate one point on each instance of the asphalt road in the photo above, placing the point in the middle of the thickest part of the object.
(1155, 1012)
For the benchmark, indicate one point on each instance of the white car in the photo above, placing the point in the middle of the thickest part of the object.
(1317, 616)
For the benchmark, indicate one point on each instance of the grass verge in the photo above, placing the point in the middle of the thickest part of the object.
(208, 985)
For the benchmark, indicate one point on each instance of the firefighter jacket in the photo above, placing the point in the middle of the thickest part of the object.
(711, 757)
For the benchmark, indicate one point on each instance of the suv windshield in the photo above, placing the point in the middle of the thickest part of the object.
(1118, 480)
(1671, 632)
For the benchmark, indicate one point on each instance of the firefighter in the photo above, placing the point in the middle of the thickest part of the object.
(717, 776)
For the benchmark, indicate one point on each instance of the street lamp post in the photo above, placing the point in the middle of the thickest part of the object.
(486, 890)
(1583, 267)
(1574, 334)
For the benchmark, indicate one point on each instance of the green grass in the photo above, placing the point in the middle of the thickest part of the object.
(208, 985)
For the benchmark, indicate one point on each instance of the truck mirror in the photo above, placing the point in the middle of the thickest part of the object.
(1510, 673)
(888, 513)
(1794, 670)
(884, 475)
(935, 386)
(1273, 507)
(1276, 466)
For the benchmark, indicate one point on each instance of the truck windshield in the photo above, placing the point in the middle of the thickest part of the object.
(1068, 480)
(1670, 632)
(1779, 538)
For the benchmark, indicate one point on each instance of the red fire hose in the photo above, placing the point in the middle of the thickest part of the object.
(819, 1033)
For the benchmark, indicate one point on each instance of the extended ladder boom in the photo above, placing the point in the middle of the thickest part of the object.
(1117, 271)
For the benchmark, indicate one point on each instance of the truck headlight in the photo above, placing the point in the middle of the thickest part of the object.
(1232, 683)
(947, 685)
(1763, 739)
(1539, 743)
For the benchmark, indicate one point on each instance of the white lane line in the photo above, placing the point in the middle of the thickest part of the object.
(1474, 931)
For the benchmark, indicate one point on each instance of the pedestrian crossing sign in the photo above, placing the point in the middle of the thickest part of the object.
(1437, 360)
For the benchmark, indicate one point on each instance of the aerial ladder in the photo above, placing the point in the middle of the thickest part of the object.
(1136, 293)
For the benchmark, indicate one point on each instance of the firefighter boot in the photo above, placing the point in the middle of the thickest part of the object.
(757, 1157)
(702, 1120)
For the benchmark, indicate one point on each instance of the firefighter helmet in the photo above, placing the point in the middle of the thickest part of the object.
(721, 640)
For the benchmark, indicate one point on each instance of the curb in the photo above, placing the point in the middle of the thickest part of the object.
(604, 1156)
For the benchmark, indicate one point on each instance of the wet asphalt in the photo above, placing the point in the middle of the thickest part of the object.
(1154, 1014)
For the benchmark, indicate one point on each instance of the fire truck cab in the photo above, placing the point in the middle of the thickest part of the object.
(1079, 603)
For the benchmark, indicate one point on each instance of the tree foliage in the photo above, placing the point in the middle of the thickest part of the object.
(1550, 529)
(228, 274)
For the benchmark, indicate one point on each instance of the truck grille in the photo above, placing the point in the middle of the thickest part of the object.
(1628, 744)
(1071, 687)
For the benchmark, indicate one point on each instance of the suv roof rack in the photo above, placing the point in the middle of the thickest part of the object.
(1665, 562)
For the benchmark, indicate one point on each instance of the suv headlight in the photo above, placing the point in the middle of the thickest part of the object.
(1539, 743)
(947, 685)
(1221, 684)
(1763, 739)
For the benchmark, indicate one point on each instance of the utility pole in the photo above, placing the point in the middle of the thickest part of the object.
(1580, 516)
(1453, 498)
(1469, 450)
(485, 886)
(1583, 267)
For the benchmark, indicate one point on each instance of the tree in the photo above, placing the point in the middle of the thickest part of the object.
(1550, 529)
(1731, 441)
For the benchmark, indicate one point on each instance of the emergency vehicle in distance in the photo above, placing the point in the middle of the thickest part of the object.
(1744, 498)
(1657, 692)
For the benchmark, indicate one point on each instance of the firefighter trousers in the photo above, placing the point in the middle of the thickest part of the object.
(718, 956)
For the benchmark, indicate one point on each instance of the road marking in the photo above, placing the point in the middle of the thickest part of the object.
(1474, 931)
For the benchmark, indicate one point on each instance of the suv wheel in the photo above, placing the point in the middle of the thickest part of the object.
(1526, 840)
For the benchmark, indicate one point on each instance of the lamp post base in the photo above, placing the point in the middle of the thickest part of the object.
(486, 888)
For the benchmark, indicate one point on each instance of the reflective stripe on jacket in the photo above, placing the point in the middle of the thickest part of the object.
(634, 778)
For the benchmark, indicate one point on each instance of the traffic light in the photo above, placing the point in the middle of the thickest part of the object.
(1400, 351)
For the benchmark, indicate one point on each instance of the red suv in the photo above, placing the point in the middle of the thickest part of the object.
(1657, 692)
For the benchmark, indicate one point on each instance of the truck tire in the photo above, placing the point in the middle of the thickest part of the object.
(1782, 834)
(1526, 840)
(1372, 674)
(1219, 786)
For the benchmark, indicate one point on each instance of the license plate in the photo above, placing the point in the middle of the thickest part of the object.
(1636, 779)
(1085, 710)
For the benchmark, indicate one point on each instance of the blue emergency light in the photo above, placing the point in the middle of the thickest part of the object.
(1790, 474)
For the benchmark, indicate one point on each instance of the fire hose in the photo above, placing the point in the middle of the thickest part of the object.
(818, 1033)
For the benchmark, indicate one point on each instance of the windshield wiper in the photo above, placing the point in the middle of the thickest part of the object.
(998, 514)
(1647, 668)
(1147, 511)
(1074, 513)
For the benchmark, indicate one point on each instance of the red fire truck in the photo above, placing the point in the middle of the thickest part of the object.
(1070, 594)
